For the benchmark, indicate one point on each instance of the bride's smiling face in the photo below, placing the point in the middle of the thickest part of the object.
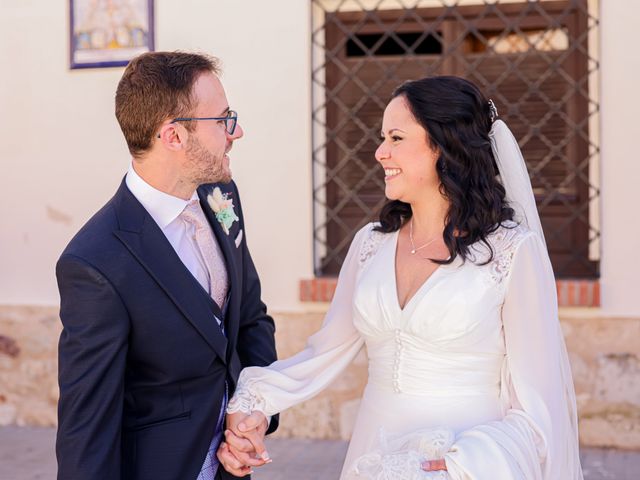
(408, 160)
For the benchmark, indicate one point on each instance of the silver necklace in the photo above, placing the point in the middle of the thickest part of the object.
(413, 245)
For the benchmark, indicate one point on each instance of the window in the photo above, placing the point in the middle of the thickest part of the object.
(532, 58)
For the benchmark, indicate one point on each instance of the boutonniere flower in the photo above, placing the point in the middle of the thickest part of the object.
(222, 206)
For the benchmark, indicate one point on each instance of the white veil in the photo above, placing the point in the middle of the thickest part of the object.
(514, 176)
(563, 456)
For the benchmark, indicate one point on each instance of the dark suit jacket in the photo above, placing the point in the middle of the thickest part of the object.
(142, 361)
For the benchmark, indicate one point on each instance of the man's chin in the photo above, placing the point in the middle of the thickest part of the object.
(224, 177)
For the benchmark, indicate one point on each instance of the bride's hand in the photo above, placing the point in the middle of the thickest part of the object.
(434, 465)
(248, 433)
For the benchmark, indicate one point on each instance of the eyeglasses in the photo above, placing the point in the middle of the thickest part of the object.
(230, 120)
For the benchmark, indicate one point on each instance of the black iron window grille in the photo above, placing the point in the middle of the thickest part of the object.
(536, 59)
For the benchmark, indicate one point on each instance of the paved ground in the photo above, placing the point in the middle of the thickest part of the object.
(27, 454)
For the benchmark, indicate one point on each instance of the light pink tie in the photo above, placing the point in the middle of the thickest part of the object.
(209, 252)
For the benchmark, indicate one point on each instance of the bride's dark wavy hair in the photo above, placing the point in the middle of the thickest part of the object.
(457, 118)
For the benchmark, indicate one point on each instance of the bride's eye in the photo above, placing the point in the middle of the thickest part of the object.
(396, 138)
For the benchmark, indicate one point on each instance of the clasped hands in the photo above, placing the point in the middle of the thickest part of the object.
(243, 446)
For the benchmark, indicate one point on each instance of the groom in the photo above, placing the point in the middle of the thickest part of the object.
(160, 300)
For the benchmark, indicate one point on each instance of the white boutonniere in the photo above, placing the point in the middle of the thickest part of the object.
(222, 206)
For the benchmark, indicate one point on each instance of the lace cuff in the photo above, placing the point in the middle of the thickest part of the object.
(247, 401)
(401, 457)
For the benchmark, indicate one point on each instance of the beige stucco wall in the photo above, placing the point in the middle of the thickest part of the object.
(63, 155)
(620, 129)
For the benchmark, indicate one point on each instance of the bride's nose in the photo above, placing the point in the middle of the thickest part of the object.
(382, 152)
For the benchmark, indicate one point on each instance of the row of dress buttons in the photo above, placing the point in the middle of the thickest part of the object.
(396, 363)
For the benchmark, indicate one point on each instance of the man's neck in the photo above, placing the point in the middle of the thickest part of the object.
(164, 178)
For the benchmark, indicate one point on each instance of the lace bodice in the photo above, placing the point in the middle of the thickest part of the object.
(504, 241)
(370, 244)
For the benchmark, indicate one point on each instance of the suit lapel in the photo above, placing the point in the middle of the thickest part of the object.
(227, 246)
(146, 242)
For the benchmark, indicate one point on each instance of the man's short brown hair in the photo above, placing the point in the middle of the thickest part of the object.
(156, 86)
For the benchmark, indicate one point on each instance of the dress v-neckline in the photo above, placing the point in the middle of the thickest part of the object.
(418, 292)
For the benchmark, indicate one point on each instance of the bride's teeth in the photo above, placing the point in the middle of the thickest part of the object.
(390, 172)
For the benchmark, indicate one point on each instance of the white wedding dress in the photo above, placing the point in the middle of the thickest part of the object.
(477, 352)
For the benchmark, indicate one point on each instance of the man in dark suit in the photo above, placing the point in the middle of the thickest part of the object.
(160, 300)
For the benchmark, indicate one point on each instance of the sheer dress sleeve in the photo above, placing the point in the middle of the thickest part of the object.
(538, 438)
(328, 352)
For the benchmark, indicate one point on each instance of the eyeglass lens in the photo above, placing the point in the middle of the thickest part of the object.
(231, 121)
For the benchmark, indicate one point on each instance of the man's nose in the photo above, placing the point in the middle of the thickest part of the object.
(237, 133)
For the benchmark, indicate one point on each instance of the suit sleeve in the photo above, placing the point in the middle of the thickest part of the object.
(91, 354)
(256, 341)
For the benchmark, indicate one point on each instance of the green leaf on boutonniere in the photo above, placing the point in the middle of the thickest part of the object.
(222, 206)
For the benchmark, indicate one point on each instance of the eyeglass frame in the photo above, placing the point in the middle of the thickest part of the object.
(231, 115)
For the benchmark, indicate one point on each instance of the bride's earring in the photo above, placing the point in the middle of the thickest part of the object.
(443, 166)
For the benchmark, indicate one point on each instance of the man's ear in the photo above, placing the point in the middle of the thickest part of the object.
(173, 136)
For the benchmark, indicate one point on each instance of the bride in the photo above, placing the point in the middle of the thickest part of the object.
(453, 295)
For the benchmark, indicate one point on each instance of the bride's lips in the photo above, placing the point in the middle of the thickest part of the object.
(391, 173)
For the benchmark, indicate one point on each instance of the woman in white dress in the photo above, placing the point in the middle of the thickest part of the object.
(453, 295)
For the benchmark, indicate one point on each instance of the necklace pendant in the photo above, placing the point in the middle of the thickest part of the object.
(413, 252)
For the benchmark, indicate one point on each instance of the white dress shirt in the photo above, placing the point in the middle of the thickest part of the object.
(165, 210)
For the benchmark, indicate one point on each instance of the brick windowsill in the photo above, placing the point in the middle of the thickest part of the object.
(571, 293)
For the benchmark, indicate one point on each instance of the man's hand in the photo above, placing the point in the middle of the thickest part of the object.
(248, 433)
(231, 463)
(244, 447)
